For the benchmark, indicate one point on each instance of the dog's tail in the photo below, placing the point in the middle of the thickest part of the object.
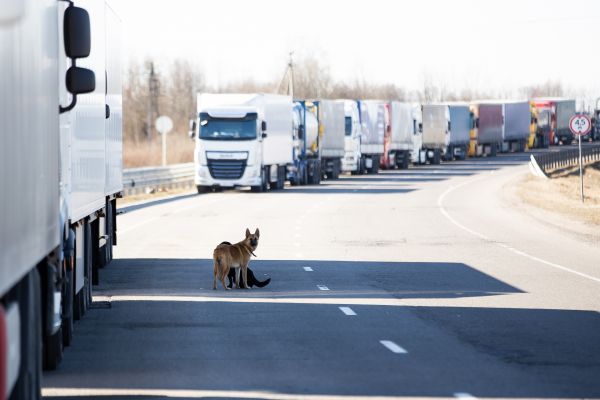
(263, 283)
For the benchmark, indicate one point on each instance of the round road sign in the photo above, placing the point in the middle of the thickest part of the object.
(580, 124)
(163, 124)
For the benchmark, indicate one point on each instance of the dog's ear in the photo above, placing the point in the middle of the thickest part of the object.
(257, 233)
(247, 232)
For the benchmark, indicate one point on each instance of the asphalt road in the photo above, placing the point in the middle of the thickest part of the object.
(427, 282)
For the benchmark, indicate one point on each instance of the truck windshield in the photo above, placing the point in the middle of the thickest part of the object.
(228, 128)
(348, 126)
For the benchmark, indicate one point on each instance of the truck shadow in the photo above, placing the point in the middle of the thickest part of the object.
(167, 331)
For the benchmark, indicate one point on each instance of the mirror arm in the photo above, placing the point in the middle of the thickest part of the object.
(62, 109)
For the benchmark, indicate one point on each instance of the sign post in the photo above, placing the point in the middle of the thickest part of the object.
(580, 125)
(164, 125)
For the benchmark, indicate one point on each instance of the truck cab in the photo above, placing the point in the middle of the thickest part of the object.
(352, 154)
(233, 147)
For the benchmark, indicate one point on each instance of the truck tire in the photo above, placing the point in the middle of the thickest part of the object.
(493, 150)
(263, 187)
(375, 166)
(202, 189)
(67, 306)
(436, 157)
(336, 168)
(448, 155)
(28, 385)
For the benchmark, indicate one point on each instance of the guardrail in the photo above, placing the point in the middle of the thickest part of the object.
(566, 158)
(147, 179)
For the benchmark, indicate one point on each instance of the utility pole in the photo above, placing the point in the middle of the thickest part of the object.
(288, 78)
(153, 92)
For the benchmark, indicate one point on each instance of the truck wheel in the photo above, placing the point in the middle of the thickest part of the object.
(28, 384)
(67, 306)
(264, 182)
(493, 150)
(202, 189)
(436, 157)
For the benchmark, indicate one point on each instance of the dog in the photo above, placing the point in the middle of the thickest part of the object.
(236, 256)
(252, 281)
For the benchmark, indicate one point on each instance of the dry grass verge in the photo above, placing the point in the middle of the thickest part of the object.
(180, 149)
(561, 193)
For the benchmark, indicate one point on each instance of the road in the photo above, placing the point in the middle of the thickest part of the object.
(426, 282)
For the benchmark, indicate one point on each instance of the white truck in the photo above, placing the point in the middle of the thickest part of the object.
(352, 160)
(318, 127)
(372, 118)
(446, 130)
(405, 138)
(331, 119)
(60, 173)
(242, 140)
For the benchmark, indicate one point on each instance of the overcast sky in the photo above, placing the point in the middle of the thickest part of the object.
(476, 44)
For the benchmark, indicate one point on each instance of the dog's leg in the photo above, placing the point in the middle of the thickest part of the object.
(222, 277)
(230, 277)
(237, 278)
(215, 272)
(244, 269)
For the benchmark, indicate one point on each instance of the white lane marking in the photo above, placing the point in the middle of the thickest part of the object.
(463, 395)
(347, 310)
(322, 287)
(308, 269)
(197, 394)
(393, 347)
(511, 249)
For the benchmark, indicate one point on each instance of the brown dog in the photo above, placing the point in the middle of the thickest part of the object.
(227, 256)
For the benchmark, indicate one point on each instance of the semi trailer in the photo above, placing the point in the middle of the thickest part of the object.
(331, 119)
(372, 121)
(318, 127)
(445, 131)
(60, 173)
(242, 140)
(399, 147)
(306, 166)
(486, 128)
(516, 127)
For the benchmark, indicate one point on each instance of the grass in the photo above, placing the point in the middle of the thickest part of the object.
(180, 149)
(561, 193)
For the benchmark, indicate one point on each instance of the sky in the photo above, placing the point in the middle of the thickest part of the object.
(482, 45)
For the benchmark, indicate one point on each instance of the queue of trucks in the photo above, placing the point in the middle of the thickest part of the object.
(60, 174)
(262, 140)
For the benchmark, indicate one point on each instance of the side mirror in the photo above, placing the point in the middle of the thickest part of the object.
(301, 132)
(263, 126)
(80, 80)
(192, 131)
(420, 127)
(264, 135)
(449, 126)
(77, 32)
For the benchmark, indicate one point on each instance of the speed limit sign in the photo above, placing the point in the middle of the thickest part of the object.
(580, 124)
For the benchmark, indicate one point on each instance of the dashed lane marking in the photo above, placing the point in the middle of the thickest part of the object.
(308, 269)
(347, 310)
(393, 347)
(322, 287)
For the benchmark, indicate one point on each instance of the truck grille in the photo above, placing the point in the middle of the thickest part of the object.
(226, 169)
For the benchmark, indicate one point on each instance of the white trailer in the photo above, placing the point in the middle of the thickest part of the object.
(242, 140)
(404, 130)
(372, 118)
(331, 135)
(59, 175)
